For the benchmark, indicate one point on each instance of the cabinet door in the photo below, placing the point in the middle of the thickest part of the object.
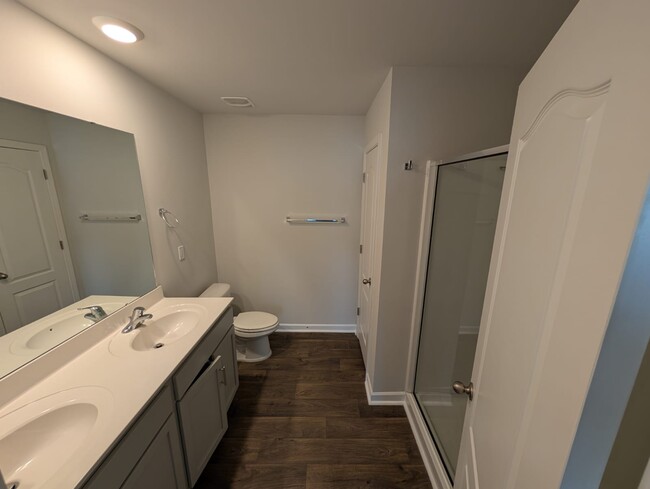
(203, 419)
(229, 377)
(161, 466)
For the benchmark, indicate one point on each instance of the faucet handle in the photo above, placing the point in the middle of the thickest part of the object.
(138, 312)
(96, 312)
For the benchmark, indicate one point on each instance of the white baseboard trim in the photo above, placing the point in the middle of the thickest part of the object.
(317, 328)
(428, 451)
(383, 398)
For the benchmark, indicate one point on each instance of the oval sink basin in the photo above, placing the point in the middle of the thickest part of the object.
(52, 335)
(46, 333)
(168, 325)
(165, 330)
(40, 438)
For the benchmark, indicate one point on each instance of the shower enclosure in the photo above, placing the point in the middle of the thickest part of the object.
(465, 208)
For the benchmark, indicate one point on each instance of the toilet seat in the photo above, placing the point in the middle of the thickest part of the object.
(252, 329)
(255, 323)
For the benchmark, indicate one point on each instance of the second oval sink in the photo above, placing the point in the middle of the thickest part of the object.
(40, 439)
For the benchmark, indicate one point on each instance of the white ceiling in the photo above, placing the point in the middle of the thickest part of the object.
(307, 56)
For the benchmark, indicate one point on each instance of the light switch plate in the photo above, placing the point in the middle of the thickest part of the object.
(181, 253)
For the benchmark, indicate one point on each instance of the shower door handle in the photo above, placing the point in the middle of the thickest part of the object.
(460, 388)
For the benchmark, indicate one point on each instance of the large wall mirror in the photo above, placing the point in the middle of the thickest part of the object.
(73, 229)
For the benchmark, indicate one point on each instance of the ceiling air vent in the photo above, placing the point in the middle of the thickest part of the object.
(238, 101)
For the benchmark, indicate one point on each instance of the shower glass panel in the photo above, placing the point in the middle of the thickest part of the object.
(464, 218)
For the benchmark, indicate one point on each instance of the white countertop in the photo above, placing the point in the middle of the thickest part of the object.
(130, 382)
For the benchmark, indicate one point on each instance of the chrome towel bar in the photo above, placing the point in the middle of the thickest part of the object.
(315, 220)
(110, 218)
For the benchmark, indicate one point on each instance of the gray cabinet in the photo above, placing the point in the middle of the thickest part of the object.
(153, 436)
(203, 418)
(205, 385)
(161, 466)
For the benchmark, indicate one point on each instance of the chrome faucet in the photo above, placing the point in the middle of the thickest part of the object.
(136, 320)
(96, 313)
(7, 485)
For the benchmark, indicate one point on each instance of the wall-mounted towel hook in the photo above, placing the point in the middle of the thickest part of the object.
(170, 219)
(408, 166)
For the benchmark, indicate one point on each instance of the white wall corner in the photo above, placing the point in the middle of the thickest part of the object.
(383, 398)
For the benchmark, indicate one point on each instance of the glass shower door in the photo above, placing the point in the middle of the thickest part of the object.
(464, 220)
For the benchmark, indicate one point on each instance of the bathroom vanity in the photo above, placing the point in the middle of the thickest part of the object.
(143, 409)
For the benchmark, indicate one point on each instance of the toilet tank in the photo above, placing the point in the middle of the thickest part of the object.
(217, 290)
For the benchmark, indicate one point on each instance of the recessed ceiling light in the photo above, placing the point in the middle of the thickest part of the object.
(118, 30)
(241, 102)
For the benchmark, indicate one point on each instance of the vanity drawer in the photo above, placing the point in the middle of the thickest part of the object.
(201, 356)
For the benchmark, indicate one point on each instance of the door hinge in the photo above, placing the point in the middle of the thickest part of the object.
(364, 177)
(360, 248)
(45, 174)
(61, 245)
(358, 311)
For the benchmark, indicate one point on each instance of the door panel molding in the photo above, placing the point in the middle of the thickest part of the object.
(587, 105)
(575, 181)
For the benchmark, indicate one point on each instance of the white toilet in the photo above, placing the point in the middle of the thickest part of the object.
(252, 329)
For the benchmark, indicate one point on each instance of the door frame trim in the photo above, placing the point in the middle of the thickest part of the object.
(426, 223)
(477, 154)
(375, 263)
(54, 201)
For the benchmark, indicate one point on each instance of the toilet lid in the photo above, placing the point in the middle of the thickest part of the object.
(255, 320)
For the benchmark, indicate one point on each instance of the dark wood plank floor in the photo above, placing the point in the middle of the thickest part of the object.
(300, 420)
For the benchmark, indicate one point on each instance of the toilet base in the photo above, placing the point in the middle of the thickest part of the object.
(253, 350)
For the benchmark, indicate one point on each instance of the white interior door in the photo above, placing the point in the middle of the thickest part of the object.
(36, 280)
(575, 183)
(368, 230)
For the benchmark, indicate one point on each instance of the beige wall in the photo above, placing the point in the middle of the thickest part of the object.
(45, 67)
(263, 168)
(435, 113)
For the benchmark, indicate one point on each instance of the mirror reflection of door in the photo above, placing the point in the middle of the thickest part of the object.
(106, 260)
(39, 277)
